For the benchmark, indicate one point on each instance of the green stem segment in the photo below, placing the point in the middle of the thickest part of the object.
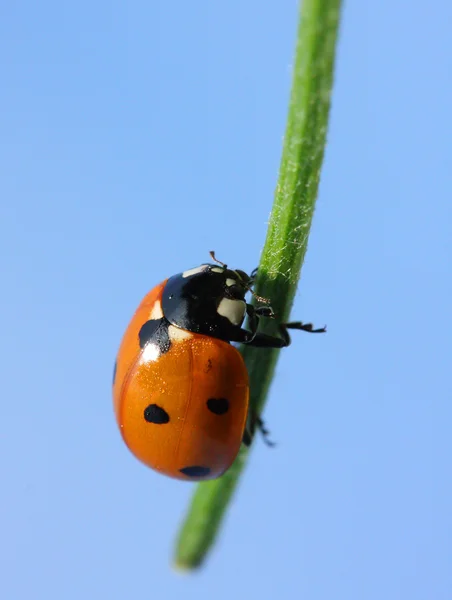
(285, 246)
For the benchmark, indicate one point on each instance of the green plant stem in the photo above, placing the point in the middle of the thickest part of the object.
(285, 246)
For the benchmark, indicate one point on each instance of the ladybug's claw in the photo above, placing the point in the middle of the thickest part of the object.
(309, 327)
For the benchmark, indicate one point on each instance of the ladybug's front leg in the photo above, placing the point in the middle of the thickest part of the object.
(262, 340)
(243, 336)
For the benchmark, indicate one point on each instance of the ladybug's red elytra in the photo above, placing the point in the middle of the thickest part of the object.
(180, 388)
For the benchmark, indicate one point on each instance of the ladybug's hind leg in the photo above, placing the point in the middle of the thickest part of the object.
(265, 432)
(256, 422)
(247, 437)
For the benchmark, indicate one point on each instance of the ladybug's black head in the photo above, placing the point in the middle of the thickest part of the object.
(209, 299)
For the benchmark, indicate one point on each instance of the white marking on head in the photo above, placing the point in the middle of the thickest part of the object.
(217, 270)
(150, 353)
(156, 311)
(233, 310)
(194, 271)
(178, 335)
(230, 282)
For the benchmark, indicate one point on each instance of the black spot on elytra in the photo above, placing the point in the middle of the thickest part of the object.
(114, 372)
(219, 406)
(195, 471)
(208, 366)
(156, 414)
(155, 331)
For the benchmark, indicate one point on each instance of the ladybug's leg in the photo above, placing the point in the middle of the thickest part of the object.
(254, 422)
(264, 431)
(247, 437)
(262, 340)
(237, 334)
(264, 311)
(253, 274)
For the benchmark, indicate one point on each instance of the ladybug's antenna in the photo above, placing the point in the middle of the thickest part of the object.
(212, 254)
(258, 298)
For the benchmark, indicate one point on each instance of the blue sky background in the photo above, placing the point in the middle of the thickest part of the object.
(137, 136)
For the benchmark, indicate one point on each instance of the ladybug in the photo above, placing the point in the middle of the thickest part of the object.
(180, 389)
